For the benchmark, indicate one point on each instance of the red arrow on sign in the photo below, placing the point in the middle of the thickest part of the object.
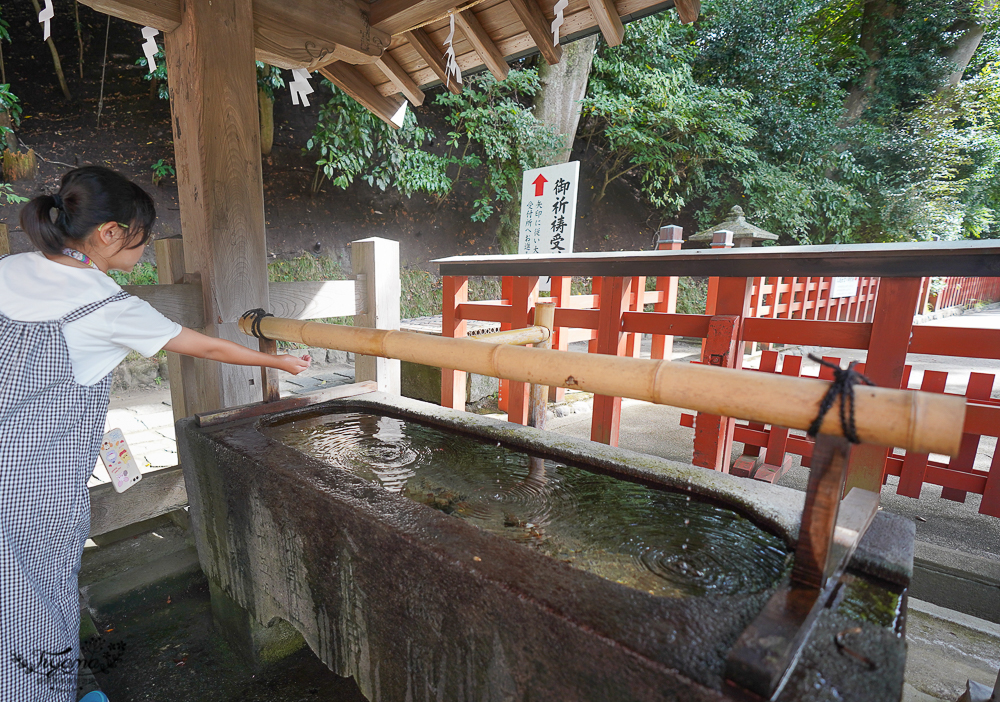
(539, 184)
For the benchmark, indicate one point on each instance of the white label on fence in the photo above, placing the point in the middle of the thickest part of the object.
(548, 210)
(843, 287)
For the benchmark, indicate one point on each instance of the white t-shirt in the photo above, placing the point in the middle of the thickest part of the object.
(35, 289)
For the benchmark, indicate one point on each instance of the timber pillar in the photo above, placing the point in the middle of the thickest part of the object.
(213, 105)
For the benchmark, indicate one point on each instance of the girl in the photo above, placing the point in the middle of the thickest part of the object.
(64, 326)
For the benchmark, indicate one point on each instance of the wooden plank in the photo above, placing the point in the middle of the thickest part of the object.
(955, 341)
(611, 340)
(216, 128)
(841, 335)
(375, 263)
(918, 259)
(454, 292)
(164, 15)
(180, 302)
(608, 20)
(484, 46)
(300, 34)
(314, 300)
(159, 492)
(391, 109)
(258, 409)
(433, 56)
(400, 78)
(395, 16)
(911, 478)
(891, 326)
(538, 27)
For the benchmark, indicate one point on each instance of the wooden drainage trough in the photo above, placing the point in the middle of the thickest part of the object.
(413, 602)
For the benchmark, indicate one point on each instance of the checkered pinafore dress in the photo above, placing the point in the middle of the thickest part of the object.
(50, 432)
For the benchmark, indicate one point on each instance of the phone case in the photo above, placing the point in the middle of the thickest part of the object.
(117, 458)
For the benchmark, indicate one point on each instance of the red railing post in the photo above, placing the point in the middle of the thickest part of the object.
(454, 291)
(890, 340)
(560, 292)
(615, 299)
(506, 293)
(713, 435)
(522, 305)
(670, 239)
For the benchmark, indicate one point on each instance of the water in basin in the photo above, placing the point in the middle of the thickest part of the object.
(655, 540)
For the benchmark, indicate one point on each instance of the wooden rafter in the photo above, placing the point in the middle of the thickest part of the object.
(608, 20)
(482, 43)
(286, 33)
(400, 78)
(396, 16)
(538, 27)
(430, 53)
(390, 109)
(688, 10)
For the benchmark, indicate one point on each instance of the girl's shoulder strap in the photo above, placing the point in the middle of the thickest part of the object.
(81, 312)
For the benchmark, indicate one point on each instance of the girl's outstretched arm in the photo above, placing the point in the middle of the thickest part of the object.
(192, 343)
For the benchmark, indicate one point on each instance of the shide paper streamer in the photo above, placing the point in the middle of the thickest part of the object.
(558, 21)
(149, 47)
(300, 86)
(45, 18)
(451, 68)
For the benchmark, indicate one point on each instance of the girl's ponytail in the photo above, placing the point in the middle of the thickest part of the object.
(87, 198)
(44, 221)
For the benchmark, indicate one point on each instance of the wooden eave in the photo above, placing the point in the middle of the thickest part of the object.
(354, 35)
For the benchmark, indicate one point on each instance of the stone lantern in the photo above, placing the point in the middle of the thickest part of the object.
(744, 233)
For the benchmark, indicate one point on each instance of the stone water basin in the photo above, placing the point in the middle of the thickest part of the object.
(440, 555)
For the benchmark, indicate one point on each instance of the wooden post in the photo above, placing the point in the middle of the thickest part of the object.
(537, 405)
(713, 435)
(670, 239)
(213, 102)
(507, 294)
(522, 301)
(615, 294)
(4, 240)
(560, 290)
(375, 263)
(181, 369)
(890, 340)
(454, 291)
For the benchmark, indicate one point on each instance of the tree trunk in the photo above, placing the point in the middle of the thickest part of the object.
(971, 34)
(872, 27)
(10, 139)
(55, 59)
(266, 121)
(557, 104)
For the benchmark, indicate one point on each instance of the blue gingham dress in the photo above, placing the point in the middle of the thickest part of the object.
(50, 433)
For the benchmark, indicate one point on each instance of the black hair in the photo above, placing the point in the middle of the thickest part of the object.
(87, 198)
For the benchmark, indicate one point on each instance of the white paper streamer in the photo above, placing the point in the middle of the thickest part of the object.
(300, 86)
(44, 17)
(451, 68)
(558, 21)
(149, 47)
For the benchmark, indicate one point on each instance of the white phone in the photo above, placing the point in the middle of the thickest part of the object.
(117, 458)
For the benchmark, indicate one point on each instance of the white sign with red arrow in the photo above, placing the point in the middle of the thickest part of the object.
(548, 209)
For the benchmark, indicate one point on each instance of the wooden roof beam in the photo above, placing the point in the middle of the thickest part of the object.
(390, 110)
(400, 78)
(395, 16)
(430, 53)
(481, 42)
(286, 33)
(687, 10)
(537, 24)
(608, 20)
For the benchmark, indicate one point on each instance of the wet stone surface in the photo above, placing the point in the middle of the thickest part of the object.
(661, 542)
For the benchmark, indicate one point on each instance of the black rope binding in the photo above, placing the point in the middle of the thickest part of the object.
(256, 316)
(844, 380)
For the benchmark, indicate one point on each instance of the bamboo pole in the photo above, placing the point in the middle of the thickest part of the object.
(911, 420)
(519, 337)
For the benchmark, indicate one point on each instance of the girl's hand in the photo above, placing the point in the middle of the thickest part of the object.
(292, 364)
